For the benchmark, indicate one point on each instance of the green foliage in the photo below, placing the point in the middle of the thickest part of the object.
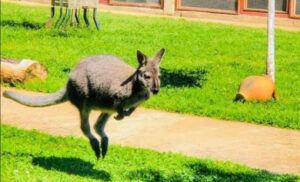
(201, 70)
(34, 156)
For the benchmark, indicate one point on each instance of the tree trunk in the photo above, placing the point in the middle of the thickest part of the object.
(26, 70)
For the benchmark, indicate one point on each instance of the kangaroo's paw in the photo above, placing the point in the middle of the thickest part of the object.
(119, 117)
(127, 113)
(104, 146)
(95, 146)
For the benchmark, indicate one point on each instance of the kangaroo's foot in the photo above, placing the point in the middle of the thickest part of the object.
(99, 128)
(95, 146)
(104, 146)
(85, 127)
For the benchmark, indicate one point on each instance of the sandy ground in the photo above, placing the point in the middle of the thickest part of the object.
(263, 147)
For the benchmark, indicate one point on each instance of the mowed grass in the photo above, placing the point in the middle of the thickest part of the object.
(34, 156)
(201, 70)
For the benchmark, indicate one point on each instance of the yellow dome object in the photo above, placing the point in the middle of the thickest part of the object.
(257, 88)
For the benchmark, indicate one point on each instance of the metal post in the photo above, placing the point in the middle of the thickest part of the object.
(72, 17)
(51, 17)
(60, 15)
(68, 15)
(271, 41)
(85, 11)
(95, 19)
(64, 18)
(76, 17)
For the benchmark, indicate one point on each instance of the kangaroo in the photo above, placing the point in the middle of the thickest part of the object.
(105, 83)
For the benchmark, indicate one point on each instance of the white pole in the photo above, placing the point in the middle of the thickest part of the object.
(271, 41)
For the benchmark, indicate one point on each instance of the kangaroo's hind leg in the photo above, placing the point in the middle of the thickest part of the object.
(85, 127)
(99, 127)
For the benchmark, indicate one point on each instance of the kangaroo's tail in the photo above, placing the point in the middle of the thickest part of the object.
(38, 101)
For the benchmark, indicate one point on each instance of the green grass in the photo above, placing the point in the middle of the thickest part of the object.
(34, 156)
(202, 68)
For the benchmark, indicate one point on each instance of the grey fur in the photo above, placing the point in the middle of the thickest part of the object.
(40, 101)
(105, 83)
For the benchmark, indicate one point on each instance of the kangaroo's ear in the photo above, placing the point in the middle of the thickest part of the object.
(159, 55)
(142, 58)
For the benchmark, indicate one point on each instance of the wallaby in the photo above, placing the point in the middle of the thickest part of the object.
(105, 83)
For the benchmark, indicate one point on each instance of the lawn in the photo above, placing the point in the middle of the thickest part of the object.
(34, 156)
(201, 70)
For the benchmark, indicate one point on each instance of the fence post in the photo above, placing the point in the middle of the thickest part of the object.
(271, 41)
(169, 7)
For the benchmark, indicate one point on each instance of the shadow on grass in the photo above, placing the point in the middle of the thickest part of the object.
(183, 78)
(25, 24)
(198, 171)
(71, 166)
(178, 78)
(202, 171)
(153, 175)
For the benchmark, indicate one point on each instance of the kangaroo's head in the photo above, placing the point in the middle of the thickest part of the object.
(148, 74)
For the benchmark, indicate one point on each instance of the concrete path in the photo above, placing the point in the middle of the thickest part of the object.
(263, 147)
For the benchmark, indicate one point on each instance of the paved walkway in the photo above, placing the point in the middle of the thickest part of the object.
(274, 149)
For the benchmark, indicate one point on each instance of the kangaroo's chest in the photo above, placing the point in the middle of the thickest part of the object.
(136, 99)
(112, 105)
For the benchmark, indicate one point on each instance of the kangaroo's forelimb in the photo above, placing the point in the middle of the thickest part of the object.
(122, 113)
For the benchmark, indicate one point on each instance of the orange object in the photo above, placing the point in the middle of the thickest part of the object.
(259, 88)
